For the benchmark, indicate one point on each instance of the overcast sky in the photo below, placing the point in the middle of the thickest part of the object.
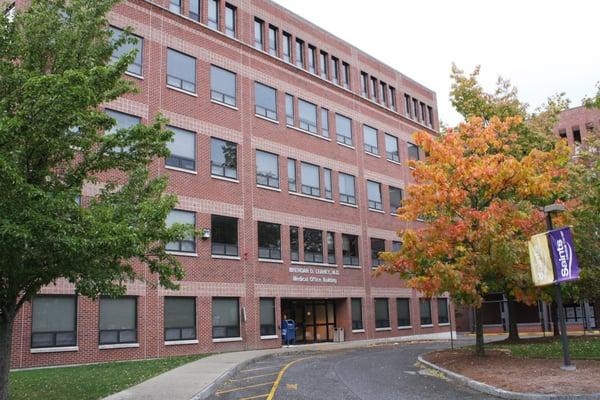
(542, 46)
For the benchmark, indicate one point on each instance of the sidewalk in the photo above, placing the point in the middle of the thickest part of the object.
(197, 380)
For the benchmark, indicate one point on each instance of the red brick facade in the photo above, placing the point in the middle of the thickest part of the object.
(574, 124)
(247, 278)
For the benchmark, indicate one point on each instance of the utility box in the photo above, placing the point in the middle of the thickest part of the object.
(338, 334)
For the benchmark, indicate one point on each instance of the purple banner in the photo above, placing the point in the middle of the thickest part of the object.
(565, 262)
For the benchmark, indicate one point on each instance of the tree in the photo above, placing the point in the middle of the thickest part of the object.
(55, 73)
(534, 132)
(478, 201)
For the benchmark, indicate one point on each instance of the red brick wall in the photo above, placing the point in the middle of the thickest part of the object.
(247, 278)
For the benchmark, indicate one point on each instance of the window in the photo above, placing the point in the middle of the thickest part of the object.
(267, 169)
(213, 14)
(289, 109)
(175, 6)
(224, 236)
(343, 128)
(373, 88)
(313, 245)
(324, 64)
(292, 175)
(396, 246)
(225, 318)
(430, 112)
(136, 66)
(230, 20)
(194, 10)
(188, 243)
(266, 101)
(577, 135)
(312, 56)
(377, 246)
(273, 40)
(180, 318)
(357, 320)
(350, 249)
(416, 113)
(383, 93)
(299, 53)
(395, 199)
(307, 115)
(403, 312)
(425, 308)
(328, 183)
(393, 98)
(222, 86)
(311, 182)
(287, 47)
(269, 241)
(294, 244)
(259, 40)
(346, 75)
(122, 121)
(347, 188)
(183, 149)
(562, 133)
(370, 137)
(374, 193)
(118, 320)
(382, 313)
(335, 70)
(267, 317)
(223, 158)
(413, 152)
(181, 71)
(325, 122)
(423, 113)
(443, 315)
(364, 84)
(407, 105)
(391, 148)
(330, 248)
(54, 321)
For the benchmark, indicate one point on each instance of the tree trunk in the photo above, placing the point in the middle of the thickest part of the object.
(555, 324)
(479, 350)
(513, 329)
(6, 326)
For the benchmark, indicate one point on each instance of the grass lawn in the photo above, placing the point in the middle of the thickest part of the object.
(88, 382)
(580, 347)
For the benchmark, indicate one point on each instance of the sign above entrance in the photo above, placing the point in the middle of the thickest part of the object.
(314, 275)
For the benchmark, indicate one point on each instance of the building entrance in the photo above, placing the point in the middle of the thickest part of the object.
(315, 319)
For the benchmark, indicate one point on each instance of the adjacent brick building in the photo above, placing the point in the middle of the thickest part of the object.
(290, 155)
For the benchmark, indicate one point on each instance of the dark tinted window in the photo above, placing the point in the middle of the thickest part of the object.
(269, 241)
(350, 249)
(118, 320)
(180, 318)
(54, 321)
(395, 199)
(225, 318)
(313, 245)
(224, 236)
(382, 313)
(403, 311)
(377, 246)
(425, 308)
(357, 320)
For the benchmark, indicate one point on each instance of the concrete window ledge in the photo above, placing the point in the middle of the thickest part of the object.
(427, 326)
(269, 337)
(180, 342)
(383, 329)
(358, 331)
(405, 327)
(119, 346)
(225, 340)
(54, 349)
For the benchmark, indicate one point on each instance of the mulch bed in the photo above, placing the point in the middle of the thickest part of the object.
(501, 370)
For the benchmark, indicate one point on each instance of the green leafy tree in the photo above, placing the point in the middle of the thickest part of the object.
(535, 131)
(55, 73)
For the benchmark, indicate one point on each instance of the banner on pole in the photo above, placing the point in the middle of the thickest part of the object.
(552, 257)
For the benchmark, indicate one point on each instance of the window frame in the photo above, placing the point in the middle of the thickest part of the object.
(237, 327)
(196, 16)
(140, 53)
(425, 320)
(306, 124)
(229, 249)
(393, 208)
(178, 161)
(286, 51)
(215, 169)
(230, 12)
(331, 257)
(276, 179)
(262, 110)
(325, 122)
(443, 319)
(313, 191)
(54, 333)
(180, 86)
(299, 47)
(212, 21)
(368, 131)
(348, 258)
(118, 331)
(374, 204)
(313, 256)
(290, 113)
(392, 155)
(190, 241)
(273, 34)
(328, 183)
(267, 329)
(375, 261)
(347, 80)
(259, 34)
(341, 138)
(273, 252)
(382, 323)
(357, 324)
(323, 64)
(311, 59)
(292, 170)
(219, 96)
(346, 198)
(294, 243)
(180, 329)
(400, 319)
(411, 155)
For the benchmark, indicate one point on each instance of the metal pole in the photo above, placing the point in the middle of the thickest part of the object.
(451, 330)
(561, 313)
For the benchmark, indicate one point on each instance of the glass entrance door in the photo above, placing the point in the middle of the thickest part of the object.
(315, 319)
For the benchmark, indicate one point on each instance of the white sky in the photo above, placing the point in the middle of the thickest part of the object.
(542, 46)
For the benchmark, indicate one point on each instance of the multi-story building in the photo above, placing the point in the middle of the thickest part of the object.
(290, 155)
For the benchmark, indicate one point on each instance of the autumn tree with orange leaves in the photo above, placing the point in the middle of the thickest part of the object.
(478, 201)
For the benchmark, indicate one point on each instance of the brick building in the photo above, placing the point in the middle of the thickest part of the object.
(290, 154)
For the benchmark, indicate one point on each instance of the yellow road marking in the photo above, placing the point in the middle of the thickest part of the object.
(260, 396)
(220, 392)
(252, 377)
(292, 386)
(281, 373)
(261, 368)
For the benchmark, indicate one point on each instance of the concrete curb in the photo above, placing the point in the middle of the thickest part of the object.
(505, 394)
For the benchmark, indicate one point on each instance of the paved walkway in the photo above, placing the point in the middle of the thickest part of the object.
(198, 379)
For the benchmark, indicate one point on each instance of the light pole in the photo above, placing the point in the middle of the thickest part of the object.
(567, 366)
